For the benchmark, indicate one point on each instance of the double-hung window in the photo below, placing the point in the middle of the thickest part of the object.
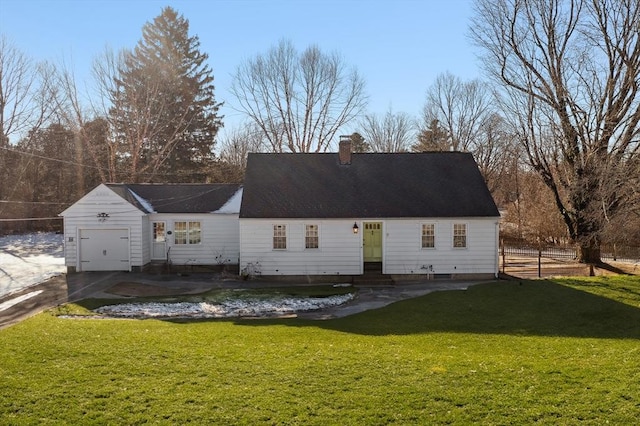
(428, 235)
(311, 237)
(279, 237)
(460, 235)
(187, 232)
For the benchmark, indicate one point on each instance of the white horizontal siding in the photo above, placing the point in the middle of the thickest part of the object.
(403, 253)
(339, 251)
(146, 240)
(219, 239)
(229, 240)
(83, 215)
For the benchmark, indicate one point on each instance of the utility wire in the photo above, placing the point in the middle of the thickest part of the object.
(128, 211)
(30, 202)
(74, 163)
(29, 219)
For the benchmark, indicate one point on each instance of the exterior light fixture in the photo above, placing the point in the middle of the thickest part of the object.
(102, 216)
(355, 227)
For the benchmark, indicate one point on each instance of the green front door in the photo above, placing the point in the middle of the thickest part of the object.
(372, 241)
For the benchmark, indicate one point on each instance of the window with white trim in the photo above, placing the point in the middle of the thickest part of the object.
(279, 237)
(428, 235)
(311, 240)
(187, 233)
(460, 235)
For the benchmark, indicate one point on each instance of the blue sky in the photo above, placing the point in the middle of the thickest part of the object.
(398, 46)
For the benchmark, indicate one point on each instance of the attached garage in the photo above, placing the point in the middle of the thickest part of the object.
(120, 227)
(104, 250)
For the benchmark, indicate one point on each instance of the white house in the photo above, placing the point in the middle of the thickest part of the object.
(343, 213)
(123, 227)
(324, 214)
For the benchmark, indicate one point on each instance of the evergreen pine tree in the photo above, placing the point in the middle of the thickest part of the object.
(358, 143)
(165, 113)
(433, 138)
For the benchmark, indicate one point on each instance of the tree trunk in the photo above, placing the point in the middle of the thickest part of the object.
(589, 252)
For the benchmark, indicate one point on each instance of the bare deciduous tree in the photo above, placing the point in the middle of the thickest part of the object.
(94, 151)
(393, 132)
(495, 152)
(25, 92)
(571, 70)
(105, 71)
(25, 107)
(532, 214)
(462, 116)
(298, 100)
(460, 108)
(240, 142)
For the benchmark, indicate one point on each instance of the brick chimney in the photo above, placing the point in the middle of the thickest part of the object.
(344, 152)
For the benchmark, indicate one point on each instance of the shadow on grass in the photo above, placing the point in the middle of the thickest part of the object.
(537, 308)
(612, 268)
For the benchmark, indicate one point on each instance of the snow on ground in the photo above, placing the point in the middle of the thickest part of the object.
(232, 308)
(11, 302)
(29, 259)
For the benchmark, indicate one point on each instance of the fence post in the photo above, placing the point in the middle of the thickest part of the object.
(503, 256)
(539, 261)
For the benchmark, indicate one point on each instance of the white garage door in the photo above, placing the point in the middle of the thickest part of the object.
(104, 250)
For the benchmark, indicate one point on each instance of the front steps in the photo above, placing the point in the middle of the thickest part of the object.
(373, 276)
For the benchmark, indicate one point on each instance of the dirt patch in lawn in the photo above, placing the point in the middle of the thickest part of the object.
(527, 267)
(135, 289)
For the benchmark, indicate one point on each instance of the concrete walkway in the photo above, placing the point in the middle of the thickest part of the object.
(74, 287)
(374, 297)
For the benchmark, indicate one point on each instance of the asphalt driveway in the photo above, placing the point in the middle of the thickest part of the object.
(69, 288)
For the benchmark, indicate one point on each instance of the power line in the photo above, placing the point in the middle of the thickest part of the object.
(29, 219)
(30, 202)
(74, 163)
(170, 199)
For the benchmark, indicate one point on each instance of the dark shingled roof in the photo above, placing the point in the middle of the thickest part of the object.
(380, 185)
(177, 197)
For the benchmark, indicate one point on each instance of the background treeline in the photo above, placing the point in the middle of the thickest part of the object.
(555, 127)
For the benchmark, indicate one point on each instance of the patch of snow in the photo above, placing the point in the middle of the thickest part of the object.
(144, 203)
(9, 303)
(232, 206)
(232, 308)
(29, 259)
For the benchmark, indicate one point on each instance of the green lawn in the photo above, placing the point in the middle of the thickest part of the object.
(548, 352)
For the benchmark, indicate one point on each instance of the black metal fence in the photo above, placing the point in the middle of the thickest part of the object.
(565, 252)
(525, 259)
(549, 252)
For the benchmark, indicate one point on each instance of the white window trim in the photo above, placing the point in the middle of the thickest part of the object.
(304, 236)
(434, 235)
(466, 235)
(286, 236)
(187, 241)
